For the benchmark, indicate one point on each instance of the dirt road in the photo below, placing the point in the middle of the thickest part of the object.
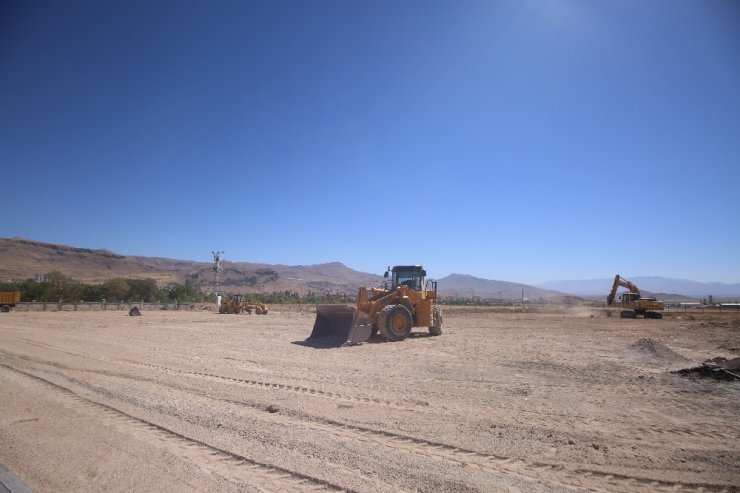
(194, 401)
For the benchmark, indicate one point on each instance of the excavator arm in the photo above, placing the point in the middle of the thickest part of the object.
(621, 281)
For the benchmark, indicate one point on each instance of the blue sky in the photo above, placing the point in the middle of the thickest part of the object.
(517, 140)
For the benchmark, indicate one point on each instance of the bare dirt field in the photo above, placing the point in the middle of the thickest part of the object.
(565, 400)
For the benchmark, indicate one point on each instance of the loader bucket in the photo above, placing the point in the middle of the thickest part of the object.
(339, 325)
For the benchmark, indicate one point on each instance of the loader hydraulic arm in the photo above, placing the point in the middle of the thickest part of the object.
(621, 281)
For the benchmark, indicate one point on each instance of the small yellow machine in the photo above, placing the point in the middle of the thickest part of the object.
(8, 299)
(632, 303)
(405, 302)
(236, 305)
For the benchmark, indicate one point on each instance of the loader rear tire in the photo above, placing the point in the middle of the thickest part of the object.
(436, 328)
(395, 322)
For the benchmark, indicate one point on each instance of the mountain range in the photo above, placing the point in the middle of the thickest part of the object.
(654, 284)
(23, 258)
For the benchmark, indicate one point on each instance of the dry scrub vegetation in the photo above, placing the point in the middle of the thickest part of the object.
(564, 400)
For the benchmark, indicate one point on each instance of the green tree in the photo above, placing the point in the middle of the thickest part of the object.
(116, 289)
(143, 289)
(185, 293)
(92, 292)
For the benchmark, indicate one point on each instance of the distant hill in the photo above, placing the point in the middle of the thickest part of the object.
(466, 286)
(23, 259)
(661, 286)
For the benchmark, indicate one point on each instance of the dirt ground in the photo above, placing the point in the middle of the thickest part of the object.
(565, 400)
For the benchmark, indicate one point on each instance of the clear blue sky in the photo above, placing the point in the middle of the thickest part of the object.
(516, 140)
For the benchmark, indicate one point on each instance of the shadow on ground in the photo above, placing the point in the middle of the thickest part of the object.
(333, 342)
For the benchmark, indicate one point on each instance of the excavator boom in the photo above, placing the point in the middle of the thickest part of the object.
(621, 281)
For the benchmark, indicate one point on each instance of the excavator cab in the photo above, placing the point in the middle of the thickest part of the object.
(629, 298)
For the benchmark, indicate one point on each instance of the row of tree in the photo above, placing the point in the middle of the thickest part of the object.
(56, 287)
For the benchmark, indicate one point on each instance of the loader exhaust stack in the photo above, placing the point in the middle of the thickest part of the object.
(340, 325)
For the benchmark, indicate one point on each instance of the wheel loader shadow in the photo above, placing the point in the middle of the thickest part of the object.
(333, 343)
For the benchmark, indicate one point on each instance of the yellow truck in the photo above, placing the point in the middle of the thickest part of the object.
(8, 300)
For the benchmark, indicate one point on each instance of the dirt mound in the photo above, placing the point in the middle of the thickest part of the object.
(656, 350)
(718, 368)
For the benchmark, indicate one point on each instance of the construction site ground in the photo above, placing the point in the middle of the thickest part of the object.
(556, 399)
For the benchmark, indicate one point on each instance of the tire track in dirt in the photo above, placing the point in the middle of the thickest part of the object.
(265, 384)
(414, 405)
(427, 450)
(697, 432)
(556, 474)
(588, 479)
(211, 459)
(600, 396)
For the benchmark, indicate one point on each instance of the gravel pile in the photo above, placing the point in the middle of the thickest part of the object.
(656, 350)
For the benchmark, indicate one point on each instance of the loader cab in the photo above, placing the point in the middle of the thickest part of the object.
(411, 276)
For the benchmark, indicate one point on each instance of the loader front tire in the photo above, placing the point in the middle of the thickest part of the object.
(395, 322)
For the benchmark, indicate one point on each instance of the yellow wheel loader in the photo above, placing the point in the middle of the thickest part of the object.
(404, 302)
(633, 304)
(235, 305)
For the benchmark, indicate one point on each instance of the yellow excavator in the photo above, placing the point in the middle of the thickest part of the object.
(633, 304)
(401, 303)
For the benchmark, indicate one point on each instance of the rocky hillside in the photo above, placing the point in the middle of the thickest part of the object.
(22, 259)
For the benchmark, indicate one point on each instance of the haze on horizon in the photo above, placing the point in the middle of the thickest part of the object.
(521, 141)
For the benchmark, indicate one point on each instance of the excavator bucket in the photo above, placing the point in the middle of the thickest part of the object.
(339, 325)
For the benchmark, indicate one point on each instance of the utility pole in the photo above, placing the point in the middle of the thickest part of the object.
(217, 268)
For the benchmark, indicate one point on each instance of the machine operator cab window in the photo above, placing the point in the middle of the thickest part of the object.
(627, 297)
(410, 277)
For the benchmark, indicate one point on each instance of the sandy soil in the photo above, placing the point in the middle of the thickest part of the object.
(196, 401)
